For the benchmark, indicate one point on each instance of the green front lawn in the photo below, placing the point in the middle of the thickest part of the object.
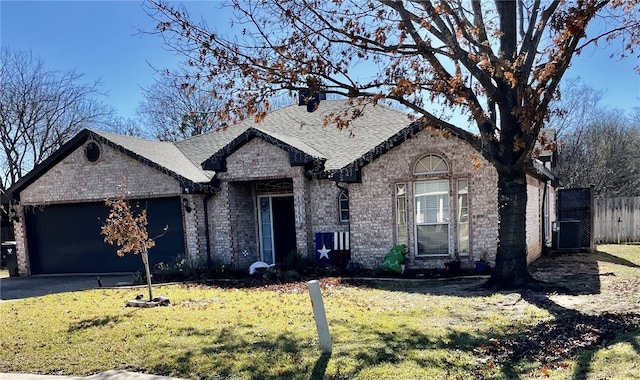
(387, 330)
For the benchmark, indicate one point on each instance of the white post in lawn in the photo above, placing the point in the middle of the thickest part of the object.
(320, 316)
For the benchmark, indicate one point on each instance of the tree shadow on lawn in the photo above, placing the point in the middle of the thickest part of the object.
(576, 273)
(99, 321)
(394, 348)
(572, 334)
(230, 354)
(227, 353)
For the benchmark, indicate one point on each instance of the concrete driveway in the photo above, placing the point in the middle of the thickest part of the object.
(12, 288)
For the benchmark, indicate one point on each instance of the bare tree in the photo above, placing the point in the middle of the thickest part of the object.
(597, 145)
(498, 62)
(129, 127)
(579, 106)
(602, 153)
(173, 110)
(39, 111)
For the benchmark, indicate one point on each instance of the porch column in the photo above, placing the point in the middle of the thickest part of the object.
(220, 227)
(22, 248)
(301, 206)
(193, 224)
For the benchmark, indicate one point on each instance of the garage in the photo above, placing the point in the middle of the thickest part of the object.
(66, 238)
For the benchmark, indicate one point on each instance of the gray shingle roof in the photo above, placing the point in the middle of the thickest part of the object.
(306, 132)
(165, 154)
(201, 147)
(292, 125)
(294, 142)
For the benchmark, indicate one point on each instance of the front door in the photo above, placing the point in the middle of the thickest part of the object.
(277, 227)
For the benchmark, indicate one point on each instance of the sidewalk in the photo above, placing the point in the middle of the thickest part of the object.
(108, 375)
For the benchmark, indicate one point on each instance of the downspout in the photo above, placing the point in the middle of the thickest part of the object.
(545, 248)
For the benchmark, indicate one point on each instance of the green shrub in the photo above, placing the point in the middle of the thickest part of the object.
(183, 267)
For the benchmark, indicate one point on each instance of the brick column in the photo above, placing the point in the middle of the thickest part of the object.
(301, 205)
(220, 226)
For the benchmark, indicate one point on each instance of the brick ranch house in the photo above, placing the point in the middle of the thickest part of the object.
(262, 191)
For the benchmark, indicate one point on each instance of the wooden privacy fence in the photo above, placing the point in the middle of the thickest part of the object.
(617, 220)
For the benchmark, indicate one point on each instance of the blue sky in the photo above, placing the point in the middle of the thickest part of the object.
(100, 39)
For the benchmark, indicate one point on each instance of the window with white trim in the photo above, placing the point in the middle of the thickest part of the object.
(431, 164)
(401, 214)
(343, 206)
(431, 207)
(431, 202)
(463, 216)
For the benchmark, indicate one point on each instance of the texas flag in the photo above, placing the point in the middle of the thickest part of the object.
(332, 249)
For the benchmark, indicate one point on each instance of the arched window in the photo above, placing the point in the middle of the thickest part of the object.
(431, 164)
(431, 207)
(343, 206)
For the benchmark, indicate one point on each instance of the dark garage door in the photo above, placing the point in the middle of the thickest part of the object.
(66, 238)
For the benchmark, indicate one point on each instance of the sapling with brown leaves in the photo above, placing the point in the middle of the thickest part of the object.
(126, 227)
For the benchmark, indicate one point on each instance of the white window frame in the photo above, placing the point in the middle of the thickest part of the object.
(343, 196)
(441, 220)
(459, 215)
(402, 228)
(431, 164)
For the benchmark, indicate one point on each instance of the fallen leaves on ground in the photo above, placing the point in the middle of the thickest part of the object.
(261, 284)
(554, 341)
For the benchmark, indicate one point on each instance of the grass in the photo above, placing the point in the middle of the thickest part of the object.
(387, 330)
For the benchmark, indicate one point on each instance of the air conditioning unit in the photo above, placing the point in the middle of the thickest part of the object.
(566, 235)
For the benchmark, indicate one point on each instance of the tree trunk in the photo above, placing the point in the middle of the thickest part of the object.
(511, 257)
(145, 261)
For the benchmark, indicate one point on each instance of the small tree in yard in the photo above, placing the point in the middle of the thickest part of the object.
(127, 229)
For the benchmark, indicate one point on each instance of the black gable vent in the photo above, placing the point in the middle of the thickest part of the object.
(92, 151)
